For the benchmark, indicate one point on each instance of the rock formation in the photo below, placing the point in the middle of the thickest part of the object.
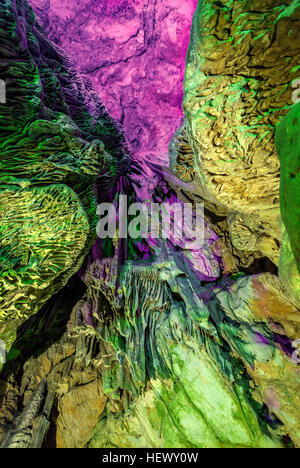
(148, 342)
(288, 141)
(52, 150)
(242, 59)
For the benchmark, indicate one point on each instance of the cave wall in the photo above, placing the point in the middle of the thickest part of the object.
(151, 345)
(242, 60)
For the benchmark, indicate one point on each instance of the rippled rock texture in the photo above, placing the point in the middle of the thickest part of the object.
(133, 53)
(242, 59)
(139, 364)
(152, 344)
(53, 147)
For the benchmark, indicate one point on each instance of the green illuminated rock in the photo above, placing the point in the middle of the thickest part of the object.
(242, 59)
(288, 148)
(141, 353)
(52, 150)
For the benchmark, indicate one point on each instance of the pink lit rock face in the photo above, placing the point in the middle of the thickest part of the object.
(133, 53)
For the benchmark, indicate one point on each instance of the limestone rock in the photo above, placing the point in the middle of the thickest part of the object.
(288, 148)
(154, 347)
(59, 399)
(287, 270)
(54, 145)
(242, 59)
(133, 53)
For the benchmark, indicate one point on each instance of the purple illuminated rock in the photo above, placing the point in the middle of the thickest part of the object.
(133, 52)
(162, 357)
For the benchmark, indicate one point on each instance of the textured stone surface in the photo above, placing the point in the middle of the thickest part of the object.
(162, 332)
(79, 410)
(242, 59)
(52, 150)
(56, 375)
(155, 347)
(133, 53)
(288, 148)
(62, 365)
(287, 269)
